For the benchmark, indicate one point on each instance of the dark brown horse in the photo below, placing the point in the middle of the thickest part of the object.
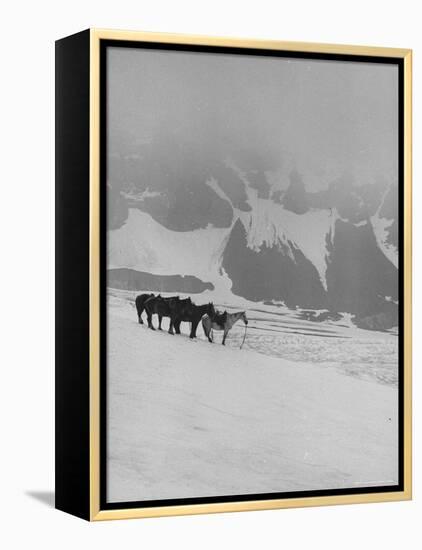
(190, 313)
(140, 305)
(179, 310)
(163, 307)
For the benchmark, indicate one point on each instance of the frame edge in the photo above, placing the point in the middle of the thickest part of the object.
(96, 514)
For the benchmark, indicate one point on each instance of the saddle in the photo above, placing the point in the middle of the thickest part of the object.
(220, 319)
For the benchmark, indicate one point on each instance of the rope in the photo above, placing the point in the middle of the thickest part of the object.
(244, 337)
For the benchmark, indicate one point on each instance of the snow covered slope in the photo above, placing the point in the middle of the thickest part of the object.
(381, 226)
(143, 244)
(190, 419)
(270, 224)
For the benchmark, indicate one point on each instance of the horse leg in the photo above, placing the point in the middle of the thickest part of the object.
(140, 316)
(139, 310)
(150, 325)
(170, 331)
(225, 336)
(207, 330)
(208, 334)
(160, 318)
(177, 326)
(193, 329)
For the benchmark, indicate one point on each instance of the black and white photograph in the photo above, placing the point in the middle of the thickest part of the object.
(210, 284)
(252, 274)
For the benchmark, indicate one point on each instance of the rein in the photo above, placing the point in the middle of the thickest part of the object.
(244, 337)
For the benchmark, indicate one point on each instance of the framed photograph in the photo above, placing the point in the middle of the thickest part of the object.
(233, 274)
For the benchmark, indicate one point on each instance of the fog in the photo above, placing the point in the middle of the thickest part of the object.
(326, 118)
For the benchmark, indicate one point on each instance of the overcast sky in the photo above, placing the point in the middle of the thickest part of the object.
(326, 117)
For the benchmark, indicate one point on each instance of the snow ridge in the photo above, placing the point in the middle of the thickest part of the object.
(380, 226)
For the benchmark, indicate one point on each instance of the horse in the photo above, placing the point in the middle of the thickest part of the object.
(179, 310)
(163, 307)
(191, 313)
(140, 305)
(223, 321)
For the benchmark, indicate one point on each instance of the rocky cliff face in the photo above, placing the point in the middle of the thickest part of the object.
(360, 279)
(280, 271)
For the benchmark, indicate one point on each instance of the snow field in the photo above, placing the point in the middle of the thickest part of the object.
(190, 419)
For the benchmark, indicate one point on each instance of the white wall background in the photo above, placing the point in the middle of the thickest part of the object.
(27, 272)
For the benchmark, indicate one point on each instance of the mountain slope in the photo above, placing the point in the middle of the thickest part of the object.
(268, 272)
(359, 276)
(228, 223)
(254, 423)
(144, 245)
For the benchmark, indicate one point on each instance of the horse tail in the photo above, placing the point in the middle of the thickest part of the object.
(138, 304)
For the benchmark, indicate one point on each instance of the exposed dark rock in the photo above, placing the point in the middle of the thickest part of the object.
(319, 317)
(354, 203)
(271, 273)
(129, 279)
(189, 206)
(359, 276)
(389, 210)
(177, 172)
(383, 320)
(232, 185)
(259, 182)
(295, 198)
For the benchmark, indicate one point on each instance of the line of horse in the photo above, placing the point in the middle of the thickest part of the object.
(184, 310)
